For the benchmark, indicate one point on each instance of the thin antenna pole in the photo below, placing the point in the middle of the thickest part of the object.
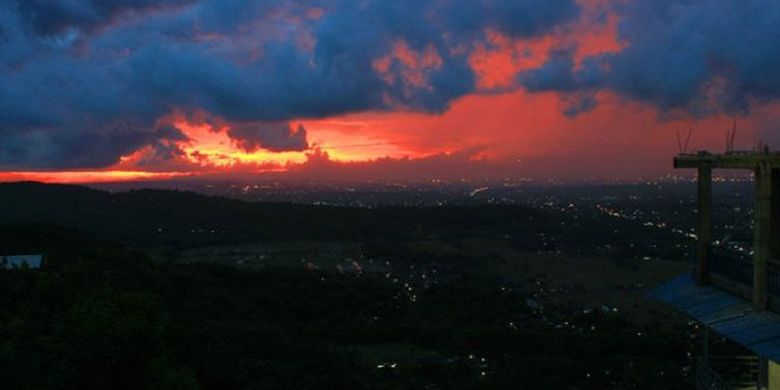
(679, 142)
(728, 136)
(688, 139)
(733, 134)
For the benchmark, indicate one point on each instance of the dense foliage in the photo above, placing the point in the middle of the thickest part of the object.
(98, 315)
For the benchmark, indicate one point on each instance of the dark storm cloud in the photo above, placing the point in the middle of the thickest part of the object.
(53, 16)
(83, 82)
(556, 74)
(702, 56)
(515, 18)
(576, 105)
(274, 136)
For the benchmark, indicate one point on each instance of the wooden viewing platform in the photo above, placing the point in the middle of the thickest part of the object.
(766, 230)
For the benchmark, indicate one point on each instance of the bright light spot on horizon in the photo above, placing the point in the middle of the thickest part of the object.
(83, 177)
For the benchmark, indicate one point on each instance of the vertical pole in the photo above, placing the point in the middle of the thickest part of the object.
(774, 228)
(762, 235)
(763, 373)
(704, 228)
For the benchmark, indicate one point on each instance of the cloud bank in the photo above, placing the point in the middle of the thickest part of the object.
(85, 82)
(700, 57)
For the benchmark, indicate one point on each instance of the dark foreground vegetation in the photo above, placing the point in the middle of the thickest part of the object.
(99, 315)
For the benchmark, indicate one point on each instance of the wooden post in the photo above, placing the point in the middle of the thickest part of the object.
(762, 235)
(704, 227)
(774, 228)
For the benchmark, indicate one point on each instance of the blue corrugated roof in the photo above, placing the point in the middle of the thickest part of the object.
(725, 313)
(20, 261)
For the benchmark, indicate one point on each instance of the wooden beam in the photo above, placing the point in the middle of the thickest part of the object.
(774, 228)
(727, 161)
(704, 226)
(762, 231)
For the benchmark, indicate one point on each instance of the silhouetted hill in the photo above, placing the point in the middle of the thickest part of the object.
(161, 217)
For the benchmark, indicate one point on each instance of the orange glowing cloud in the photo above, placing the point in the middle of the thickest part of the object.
(414, 67)
(210, 145)
(207, 146)
(497, 62)
(617, 139)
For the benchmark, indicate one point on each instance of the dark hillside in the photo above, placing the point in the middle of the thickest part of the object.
(185, 219)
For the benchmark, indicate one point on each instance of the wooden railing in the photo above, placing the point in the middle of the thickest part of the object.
(726, 372)
(739, 271)
(735, 275)
(773, 284)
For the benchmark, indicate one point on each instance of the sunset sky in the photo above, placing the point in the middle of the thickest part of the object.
(118, 90)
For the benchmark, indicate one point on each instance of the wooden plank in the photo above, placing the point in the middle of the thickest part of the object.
(727, 161)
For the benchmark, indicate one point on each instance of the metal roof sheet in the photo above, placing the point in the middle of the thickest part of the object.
(19, 261)
(727, 314)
